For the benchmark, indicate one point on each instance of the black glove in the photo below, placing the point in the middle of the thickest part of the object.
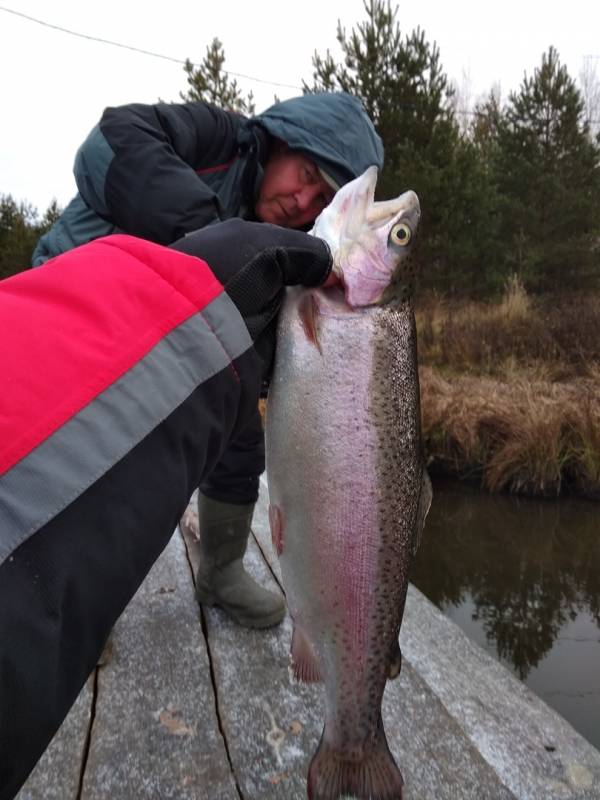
(255, 261)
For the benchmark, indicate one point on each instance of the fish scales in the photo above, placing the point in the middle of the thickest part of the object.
(345, 475)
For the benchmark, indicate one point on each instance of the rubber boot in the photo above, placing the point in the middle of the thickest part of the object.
(221, 579)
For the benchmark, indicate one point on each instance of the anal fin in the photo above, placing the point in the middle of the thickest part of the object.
(304, 662)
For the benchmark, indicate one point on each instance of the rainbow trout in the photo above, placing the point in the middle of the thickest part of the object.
(348, 489)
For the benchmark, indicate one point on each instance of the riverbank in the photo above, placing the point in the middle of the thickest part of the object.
(510, 391)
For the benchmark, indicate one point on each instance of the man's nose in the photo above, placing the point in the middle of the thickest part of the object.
(306, 197)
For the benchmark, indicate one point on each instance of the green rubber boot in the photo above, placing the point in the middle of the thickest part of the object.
(221, 579)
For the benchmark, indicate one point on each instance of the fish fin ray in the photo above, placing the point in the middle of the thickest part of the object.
(425, 499)
(375, 776)
(276, 525)
(304, 662)
(395, 661)
(308, 316)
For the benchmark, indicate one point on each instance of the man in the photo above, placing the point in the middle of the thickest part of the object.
(129, 368)
(160, 172)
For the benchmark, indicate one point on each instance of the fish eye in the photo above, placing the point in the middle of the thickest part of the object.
(400, 234)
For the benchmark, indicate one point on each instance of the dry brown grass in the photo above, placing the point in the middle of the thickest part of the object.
(515, 303)
(533, 436)
(511, 390)
(558, 334)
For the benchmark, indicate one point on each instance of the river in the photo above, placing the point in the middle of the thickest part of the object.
(522, 578)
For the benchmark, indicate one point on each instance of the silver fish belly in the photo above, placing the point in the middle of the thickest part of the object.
(348, 499)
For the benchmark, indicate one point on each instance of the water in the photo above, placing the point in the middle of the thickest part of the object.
(522, 578)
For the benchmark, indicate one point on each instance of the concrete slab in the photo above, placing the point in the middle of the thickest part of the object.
(536, 753)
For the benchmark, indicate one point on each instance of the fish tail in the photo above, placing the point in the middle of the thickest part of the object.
(374, 777)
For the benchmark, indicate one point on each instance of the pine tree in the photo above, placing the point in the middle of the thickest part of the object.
(20, 229)
(401, 83)
(548, 173)
(211, 83)
(485, 123)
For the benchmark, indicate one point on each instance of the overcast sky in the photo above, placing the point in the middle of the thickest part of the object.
(55, 85)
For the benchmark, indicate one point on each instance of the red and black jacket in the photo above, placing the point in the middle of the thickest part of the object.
(126, 370)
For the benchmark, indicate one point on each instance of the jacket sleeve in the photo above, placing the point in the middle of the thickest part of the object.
(153, 186)
(147, 372)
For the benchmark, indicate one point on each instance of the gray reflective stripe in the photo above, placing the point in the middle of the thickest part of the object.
(63, 466)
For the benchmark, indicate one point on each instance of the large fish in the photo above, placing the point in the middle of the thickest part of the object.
(347, 484)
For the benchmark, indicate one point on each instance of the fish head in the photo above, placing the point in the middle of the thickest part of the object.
(373, 243)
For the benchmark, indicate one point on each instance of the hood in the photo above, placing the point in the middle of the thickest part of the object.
(333, 128)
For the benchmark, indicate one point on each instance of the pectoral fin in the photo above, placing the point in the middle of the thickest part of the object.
(308, 316)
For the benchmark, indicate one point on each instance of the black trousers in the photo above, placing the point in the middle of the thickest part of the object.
(235, 478)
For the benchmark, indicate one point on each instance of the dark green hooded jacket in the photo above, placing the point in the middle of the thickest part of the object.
(161, 171)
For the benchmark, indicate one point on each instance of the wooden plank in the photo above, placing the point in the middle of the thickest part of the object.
(269, 725)
(156, 734)
(57, 774)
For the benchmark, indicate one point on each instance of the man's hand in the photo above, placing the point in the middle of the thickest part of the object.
(229, 248)
(255, 261)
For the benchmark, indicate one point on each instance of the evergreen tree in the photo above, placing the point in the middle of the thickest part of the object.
(485, 123)
(548, 172)
(20, 229)
(210, 83)
(407, 94)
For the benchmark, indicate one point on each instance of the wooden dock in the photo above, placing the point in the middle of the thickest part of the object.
(185, 705)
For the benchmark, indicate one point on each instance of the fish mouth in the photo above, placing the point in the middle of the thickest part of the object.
(382, 212)
(359, 231)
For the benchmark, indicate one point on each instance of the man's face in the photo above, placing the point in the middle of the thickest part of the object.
(292, 193)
